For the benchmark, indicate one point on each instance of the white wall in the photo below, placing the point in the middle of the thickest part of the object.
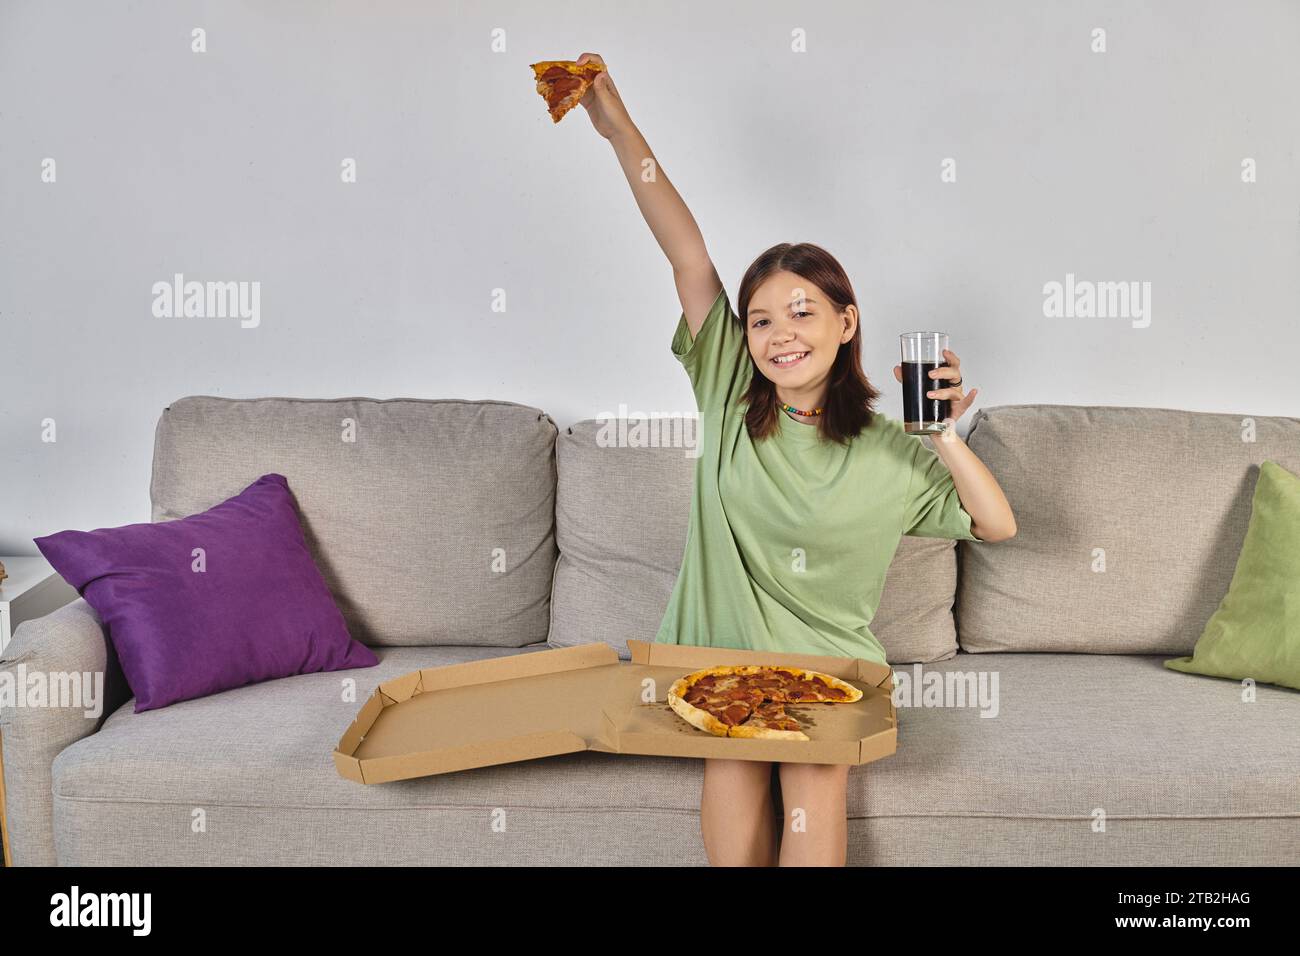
(1115, 166)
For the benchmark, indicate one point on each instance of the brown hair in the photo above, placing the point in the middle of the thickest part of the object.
(850, 398)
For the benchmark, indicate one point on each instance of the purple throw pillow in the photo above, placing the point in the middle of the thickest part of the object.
(251, 606)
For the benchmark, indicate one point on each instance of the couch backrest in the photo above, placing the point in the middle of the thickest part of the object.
(621, 515)
(1130, 522)
(440, 522)
(432, 521)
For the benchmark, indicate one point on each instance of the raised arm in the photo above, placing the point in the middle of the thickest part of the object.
(665, 212)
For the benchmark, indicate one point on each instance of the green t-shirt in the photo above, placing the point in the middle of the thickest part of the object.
(790, 537)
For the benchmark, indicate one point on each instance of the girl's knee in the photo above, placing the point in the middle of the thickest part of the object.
(748, 776)
(814, 772)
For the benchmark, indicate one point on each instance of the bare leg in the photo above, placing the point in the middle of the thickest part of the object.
(737, 813)
(814, 831)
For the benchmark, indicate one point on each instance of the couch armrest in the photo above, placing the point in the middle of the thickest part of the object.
(64, 649)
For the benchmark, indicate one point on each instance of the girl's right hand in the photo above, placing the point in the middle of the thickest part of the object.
(604, 105)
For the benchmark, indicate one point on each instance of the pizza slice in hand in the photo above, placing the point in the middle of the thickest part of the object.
(562, 83)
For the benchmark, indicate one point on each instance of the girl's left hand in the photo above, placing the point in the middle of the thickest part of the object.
(953, 392)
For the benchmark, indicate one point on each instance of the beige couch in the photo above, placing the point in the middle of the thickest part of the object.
(1130, 522)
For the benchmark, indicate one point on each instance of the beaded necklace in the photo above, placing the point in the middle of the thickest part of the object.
(794, 411)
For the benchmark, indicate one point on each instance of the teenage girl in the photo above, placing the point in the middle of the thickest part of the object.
(802, 490)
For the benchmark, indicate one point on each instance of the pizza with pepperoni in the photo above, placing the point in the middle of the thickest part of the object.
(749, 700)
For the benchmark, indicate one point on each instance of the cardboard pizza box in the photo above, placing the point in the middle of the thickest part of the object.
(544, 703)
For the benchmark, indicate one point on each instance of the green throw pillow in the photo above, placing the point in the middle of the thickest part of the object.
(1256, 630)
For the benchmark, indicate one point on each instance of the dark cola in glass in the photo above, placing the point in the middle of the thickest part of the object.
(922, 353)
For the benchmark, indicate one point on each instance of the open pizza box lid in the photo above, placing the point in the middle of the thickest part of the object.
(544, 703)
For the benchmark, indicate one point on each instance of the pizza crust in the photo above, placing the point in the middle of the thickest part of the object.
(767, 733)
(696, 717)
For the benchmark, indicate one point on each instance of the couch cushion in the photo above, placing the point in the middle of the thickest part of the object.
(1077, 732)
(1162, 497)
(1184, 770)
(621, 517)
(258, 761)
(432, 521)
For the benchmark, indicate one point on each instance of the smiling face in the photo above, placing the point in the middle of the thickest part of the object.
(794, 333)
